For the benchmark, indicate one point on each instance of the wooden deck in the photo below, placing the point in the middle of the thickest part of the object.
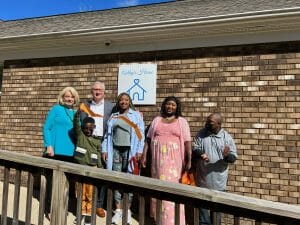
(35, 208)
(28, 204)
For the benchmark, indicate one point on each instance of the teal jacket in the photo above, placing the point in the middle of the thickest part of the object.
(58, 130)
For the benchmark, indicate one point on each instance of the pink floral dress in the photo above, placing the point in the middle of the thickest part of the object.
(167, 149)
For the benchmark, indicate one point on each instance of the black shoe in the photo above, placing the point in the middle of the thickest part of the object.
(48, 216)
(87, 220)
(75, 220)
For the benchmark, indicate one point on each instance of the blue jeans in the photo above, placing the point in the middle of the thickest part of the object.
(206, 218)
(101, 196)
(120, 164)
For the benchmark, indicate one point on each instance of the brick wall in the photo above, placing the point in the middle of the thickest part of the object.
(255, 87)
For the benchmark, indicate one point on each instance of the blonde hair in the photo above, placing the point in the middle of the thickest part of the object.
(60, 98)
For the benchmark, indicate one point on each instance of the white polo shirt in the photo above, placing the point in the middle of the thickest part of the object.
(98, 109)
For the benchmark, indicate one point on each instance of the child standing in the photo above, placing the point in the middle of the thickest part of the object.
(87, 152)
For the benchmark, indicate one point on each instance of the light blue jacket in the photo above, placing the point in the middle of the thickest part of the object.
(58, 130)
(136, 145)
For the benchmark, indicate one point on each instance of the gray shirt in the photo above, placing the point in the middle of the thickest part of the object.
(214, 173)
(121, 135)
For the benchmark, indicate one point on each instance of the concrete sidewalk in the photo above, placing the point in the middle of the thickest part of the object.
(35, 209)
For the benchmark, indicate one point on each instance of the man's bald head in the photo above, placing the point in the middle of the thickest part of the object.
(214, 122)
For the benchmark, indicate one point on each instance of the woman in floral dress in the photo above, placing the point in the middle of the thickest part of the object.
(169, 140)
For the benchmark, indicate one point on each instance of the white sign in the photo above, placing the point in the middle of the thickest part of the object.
(139, 81)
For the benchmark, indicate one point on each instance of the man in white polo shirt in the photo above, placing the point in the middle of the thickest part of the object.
(100, 110)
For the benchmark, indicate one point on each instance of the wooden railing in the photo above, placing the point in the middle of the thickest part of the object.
(240, 207)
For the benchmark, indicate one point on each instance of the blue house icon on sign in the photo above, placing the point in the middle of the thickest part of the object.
(136, 91)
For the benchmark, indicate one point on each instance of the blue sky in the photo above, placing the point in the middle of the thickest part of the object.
(20, 9)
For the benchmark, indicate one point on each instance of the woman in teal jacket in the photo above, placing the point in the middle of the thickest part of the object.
(58, 128)
(58, 133)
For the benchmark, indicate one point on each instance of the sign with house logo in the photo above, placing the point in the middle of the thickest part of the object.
(139, 81)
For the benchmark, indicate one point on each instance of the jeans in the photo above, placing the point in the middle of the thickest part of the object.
(120, 164)
(207, 219)
(101, 196)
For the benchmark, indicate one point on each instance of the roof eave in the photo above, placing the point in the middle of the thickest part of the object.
(253, 27)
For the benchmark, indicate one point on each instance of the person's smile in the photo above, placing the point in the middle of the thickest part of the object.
(171, 107)
(124, 105)
(69, 99)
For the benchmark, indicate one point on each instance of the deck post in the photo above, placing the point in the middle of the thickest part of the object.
(59, 200)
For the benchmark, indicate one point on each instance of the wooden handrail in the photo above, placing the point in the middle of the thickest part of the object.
(234, 204)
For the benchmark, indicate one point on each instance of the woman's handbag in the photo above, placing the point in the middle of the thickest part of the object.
(134, 165)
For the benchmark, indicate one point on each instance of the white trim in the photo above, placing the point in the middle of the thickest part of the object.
(258, 27)
(257, 15)
(168, 44)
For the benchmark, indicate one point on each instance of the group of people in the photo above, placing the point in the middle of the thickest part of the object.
(102, 134)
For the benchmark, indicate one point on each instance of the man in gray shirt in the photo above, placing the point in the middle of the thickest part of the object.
(213, 149)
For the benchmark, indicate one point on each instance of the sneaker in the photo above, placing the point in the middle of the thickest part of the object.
(129, 217)
(117, 217)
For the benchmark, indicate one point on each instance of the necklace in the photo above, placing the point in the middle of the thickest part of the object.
(169, 119)
(68, 115)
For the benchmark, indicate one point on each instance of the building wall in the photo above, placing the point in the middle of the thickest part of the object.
(255, 87)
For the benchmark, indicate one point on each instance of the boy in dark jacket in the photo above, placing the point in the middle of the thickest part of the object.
(87, 152)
